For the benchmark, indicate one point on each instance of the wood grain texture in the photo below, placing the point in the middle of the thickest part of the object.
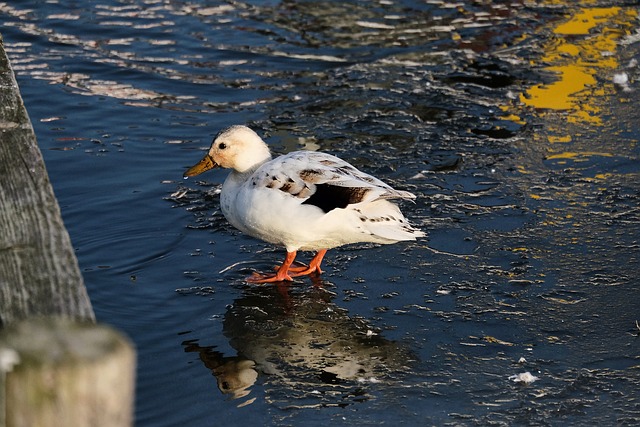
(39, 273)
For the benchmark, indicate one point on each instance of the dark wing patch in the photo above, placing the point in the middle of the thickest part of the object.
(296, 188)
(329, 197)
(311, 175)
(286, 187)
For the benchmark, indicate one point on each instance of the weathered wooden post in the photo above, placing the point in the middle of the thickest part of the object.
(39, 273)
(57, 368)
(67, 373)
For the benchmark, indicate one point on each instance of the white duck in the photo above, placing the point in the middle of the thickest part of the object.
(304, 200)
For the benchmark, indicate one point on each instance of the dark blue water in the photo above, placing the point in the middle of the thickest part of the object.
(532, 213)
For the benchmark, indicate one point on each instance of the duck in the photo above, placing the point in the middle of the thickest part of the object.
(302, 201)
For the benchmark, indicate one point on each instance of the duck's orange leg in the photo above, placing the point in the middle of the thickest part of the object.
(314, 265)
(281, 275)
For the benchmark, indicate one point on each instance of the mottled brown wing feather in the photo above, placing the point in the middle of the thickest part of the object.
(322, 180)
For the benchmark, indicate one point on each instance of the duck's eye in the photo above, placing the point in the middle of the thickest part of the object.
(222, 146)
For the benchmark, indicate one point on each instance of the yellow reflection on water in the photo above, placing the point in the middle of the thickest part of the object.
(574, 155)
(577, 135)
(583, 49)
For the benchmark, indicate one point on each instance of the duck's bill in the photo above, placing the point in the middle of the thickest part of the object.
(203, 165)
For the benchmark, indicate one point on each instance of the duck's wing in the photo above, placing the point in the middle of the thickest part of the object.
(322, 180)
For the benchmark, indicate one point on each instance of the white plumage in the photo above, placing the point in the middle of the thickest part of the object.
(304, 200)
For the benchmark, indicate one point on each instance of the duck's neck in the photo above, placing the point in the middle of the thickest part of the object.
(239, 175)
(253, 162)
(248, 171)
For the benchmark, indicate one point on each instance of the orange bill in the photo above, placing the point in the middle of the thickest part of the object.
(202, 166)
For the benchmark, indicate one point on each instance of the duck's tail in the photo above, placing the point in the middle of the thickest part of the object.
(383, 219)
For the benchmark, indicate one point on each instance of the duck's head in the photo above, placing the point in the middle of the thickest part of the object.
(237, 147)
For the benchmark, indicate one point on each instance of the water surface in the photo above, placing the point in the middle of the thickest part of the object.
(506, 121)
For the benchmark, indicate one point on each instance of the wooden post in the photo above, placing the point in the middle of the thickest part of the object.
(64, 373)
(39, 273)
(54, 371)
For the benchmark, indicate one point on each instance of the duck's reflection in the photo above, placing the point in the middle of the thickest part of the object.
(299, 339)
(234, 375)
